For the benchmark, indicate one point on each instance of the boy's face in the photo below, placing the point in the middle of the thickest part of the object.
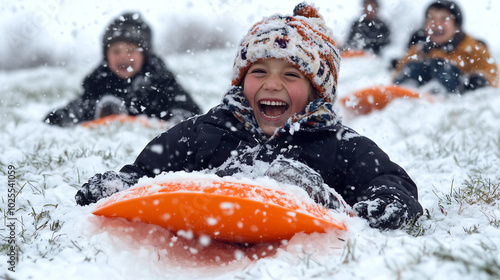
(125, 59)
(440, 25)
(276, 91)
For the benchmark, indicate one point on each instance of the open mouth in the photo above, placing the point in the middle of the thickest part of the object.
(126, 67)
(272, 109)
(436, 30)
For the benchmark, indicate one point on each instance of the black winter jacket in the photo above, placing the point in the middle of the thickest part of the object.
(153, 91)
(369, 35)
(351, 164)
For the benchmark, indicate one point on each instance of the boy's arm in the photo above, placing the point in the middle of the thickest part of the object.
(81, 108)
(167, 152)
(382, 192)
(484, 67)
(75, 112)
(412, 54)
(385, 35)
(352, 32)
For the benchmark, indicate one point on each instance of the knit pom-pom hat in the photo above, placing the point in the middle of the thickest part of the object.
(128, 27)
(302, 40)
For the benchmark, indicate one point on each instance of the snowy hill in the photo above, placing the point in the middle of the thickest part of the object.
(450, 147)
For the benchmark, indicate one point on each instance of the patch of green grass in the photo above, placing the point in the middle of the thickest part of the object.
(44, 158)
(415, 227)
(41, 218)
(474, 191)
(475, 260)
(493, 220)
(349, 254)
(30, 227)
(471, 261)
(479, 191)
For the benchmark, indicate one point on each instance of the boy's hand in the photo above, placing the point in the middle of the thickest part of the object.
(298, 174)
(382, 213)
(58, 117)
(99, 186)
(475, 82)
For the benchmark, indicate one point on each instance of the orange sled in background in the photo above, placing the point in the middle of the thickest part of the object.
(352, 53)
(375, 98)
(225, 211)
(121, 119)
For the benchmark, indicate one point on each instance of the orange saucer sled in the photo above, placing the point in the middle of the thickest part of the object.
(374, 98)
(112, 119)
(353, 53)
(225, 211)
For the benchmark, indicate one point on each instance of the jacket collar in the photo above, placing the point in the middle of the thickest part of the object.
(317, 114)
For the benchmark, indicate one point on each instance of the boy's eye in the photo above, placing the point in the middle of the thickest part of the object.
(292, 74)
(258, 70)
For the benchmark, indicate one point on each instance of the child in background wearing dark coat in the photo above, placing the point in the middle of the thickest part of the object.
(369, 32)
(131, 80)
(278, 113)
(458, 62)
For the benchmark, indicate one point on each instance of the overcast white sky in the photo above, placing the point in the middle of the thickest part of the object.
(77, 26)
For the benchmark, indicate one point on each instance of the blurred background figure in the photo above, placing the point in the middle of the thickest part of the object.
(369, 32)
(453, 60)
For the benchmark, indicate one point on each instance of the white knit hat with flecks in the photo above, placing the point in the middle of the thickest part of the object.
(302, 40)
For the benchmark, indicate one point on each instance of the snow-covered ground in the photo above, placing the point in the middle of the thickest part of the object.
(451, 148)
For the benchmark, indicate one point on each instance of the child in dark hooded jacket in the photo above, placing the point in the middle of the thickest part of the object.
(279, 111)
(130, 80)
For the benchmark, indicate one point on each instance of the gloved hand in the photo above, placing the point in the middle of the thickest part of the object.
(475, 82)
(100, 186)
(109, 105)
(58, 117)
(382, 213)
(301, 175)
